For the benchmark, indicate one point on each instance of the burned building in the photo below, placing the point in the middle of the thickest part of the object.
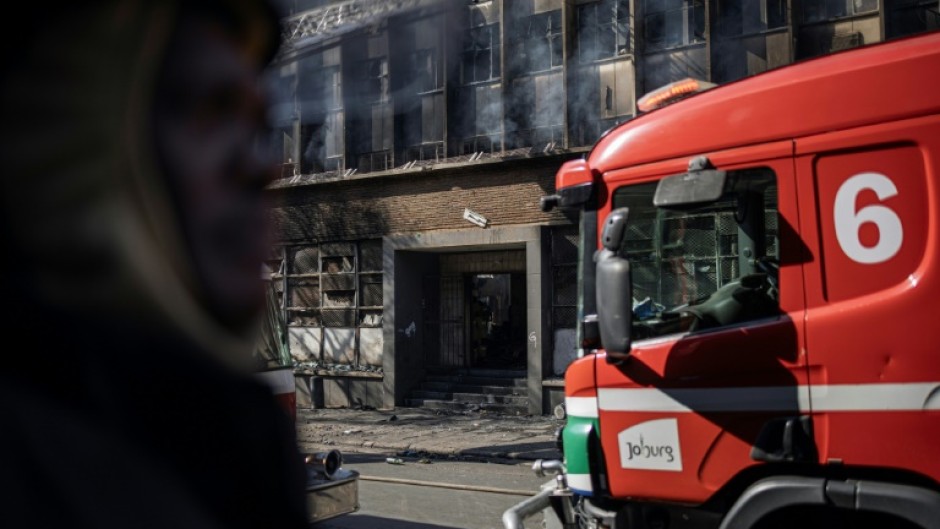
(416, 139)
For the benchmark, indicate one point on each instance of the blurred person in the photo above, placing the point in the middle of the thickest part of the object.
(133, 230)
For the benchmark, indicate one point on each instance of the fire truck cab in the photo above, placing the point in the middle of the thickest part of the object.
(760, 304)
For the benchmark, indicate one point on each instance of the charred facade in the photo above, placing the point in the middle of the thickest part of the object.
(399, 123)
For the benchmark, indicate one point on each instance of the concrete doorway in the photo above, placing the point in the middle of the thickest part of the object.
(427, 332)
(496, 320)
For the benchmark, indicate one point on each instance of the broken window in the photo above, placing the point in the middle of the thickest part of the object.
(319, 105)
(745, 17)
(481, 54)
(373, 80)
(539, 47)
(818, 10)
(281, 145)
(332, 288)
(426, 72)
(321, 146)
(906, 17)
(603, 30)
(671, 23)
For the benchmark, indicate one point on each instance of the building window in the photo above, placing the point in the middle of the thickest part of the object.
(322, 144)
(477, 144)
(539, 47)
(906, 17)
(319, 105)
(481, 54)
(671, 23)
(331, 89)
(332, 286)
(746, 17)
(426, 72)
(819, 10)
(603, 30)
(565, 278)
(373, 80)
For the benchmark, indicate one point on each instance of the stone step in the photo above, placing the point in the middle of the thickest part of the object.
(465, 388)
(499, 373)
(500, 391)
(430, 394)
(481, 372)
(509, 409)
(478, 398)
(470, 397)
(472, 380)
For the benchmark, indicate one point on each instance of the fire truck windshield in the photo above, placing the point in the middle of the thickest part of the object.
(703, 267)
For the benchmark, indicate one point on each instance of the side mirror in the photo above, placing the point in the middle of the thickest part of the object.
(614, 289)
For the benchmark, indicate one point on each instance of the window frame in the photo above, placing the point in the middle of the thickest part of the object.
(595, 27)
(691, 17)
(474, 48)
(658, 327)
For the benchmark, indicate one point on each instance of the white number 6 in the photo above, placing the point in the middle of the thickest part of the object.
(849, 222)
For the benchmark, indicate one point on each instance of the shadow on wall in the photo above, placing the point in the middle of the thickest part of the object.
(328, 221)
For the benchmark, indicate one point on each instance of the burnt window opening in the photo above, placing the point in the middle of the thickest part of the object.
(373, 80)
(281, 146)
(374, 161)
(433, 152)
(534, 115)
(330, 88)
(907, 17)
(480, 60)
(480, 123)
(539, 46)
(316, 143)
(426, 72)
(603, 30)
(478, 144)
(747, 17)
(673, 23)
(321, 144)
(319, 90)
(820, 10)
(334, 285)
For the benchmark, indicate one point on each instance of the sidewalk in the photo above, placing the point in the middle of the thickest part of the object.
(425, 433)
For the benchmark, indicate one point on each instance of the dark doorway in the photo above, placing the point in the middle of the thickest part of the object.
(496, 320)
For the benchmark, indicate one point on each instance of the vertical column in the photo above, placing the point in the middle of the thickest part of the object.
(538, 301)
(388, 324)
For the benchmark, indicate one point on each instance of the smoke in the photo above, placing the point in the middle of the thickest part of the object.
(535, 106)
(313, 26)
(382, 89)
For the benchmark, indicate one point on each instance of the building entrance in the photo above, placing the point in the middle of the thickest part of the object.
(475, 311)
(496, 320)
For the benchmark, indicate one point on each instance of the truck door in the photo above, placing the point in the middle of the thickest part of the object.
(868, 204)
(717, 365)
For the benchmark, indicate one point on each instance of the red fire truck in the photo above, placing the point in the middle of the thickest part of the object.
(760, 304)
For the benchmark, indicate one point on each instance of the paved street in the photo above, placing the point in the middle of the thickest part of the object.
(476, 435)
(418, 495)
(459, 471)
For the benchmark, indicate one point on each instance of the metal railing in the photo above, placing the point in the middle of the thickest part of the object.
(331, 20)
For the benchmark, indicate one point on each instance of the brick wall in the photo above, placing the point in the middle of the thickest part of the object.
(506, 193)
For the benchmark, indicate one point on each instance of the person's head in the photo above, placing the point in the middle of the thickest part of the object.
(132, 177)
(208, 122)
